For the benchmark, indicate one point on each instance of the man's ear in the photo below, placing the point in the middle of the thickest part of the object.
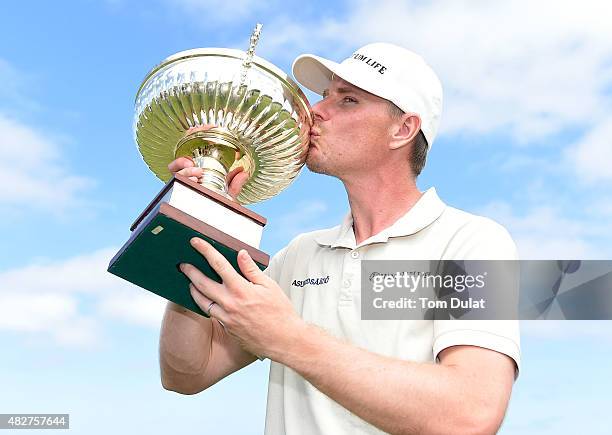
(405, 131)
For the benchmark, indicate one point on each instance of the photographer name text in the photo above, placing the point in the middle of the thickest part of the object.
(426, 303)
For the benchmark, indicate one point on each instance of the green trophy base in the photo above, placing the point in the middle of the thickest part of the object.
(160, 242)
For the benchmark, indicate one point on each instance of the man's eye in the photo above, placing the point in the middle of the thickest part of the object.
(349, 100)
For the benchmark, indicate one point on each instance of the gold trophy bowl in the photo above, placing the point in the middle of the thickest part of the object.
(261, 117)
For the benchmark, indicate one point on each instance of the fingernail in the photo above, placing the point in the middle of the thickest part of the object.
(198, 241)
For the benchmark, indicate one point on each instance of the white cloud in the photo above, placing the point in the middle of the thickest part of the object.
(524, 65)
(32, 174)
(135, 306)
(544, 232)
(591, 156)
(74, 300)
(22, 312)
(47, 315)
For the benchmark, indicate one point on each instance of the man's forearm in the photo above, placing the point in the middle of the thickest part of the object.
(184, 348)
(394, 395)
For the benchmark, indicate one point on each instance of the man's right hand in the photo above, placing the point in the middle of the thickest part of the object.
(185, 166)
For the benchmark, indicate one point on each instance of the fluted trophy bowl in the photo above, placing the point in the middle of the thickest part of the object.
(261, 117)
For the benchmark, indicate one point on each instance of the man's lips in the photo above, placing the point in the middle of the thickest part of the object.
(312, 142)
(315, 134)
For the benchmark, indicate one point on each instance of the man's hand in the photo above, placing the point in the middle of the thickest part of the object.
(254, 310)
(184, 166)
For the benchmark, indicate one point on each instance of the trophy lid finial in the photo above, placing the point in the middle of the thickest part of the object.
(248, 59)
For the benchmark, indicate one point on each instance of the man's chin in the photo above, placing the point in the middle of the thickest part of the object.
(311, 166)
(316, 166)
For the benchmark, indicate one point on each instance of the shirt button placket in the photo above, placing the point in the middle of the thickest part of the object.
(351, 271)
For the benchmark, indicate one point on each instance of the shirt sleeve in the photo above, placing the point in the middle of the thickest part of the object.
(482, 239)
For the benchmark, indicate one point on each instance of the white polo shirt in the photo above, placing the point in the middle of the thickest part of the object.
(320, 272)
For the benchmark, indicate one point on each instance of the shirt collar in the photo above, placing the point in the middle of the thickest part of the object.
(427, 209)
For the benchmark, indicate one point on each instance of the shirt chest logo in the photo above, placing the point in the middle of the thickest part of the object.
(310, 281)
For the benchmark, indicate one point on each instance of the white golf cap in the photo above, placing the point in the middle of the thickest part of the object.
(386, 70)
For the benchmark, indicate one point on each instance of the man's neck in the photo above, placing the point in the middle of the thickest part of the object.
(376, 205)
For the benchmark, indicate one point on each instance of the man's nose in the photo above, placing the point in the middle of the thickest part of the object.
(318, 111)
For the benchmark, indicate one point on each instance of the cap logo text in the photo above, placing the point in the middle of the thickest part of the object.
(371, 62)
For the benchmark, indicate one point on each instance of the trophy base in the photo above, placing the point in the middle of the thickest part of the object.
(160, 242)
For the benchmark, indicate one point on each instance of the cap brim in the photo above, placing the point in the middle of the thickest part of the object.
(314, 72)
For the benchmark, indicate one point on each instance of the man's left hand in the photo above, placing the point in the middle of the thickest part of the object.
(255, 310)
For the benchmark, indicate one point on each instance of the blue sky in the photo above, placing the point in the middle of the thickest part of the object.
(525, 139)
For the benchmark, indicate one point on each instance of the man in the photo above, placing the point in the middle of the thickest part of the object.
(331, 372)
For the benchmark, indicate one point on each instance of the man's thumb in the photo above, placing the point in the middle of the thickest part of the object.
(236, 182)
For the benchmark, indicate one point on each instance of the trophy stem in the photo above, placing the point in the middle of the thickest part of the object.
(214, 173)
(215, 151)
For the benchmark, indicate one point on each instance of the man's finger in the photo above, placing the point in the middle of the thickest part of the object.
(233, 173)
(204, 302)
(202, 127)
(249, 268)
(218, 263)
(216, 310)
(191, 172)
(180, 163)
(200, 298)
(208, 287)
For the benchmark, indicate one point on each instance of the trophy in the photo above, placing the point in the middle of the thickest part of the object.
(261, 122)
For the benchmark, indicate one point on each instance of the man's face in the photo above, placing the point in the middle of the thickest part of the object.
(351, 131)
